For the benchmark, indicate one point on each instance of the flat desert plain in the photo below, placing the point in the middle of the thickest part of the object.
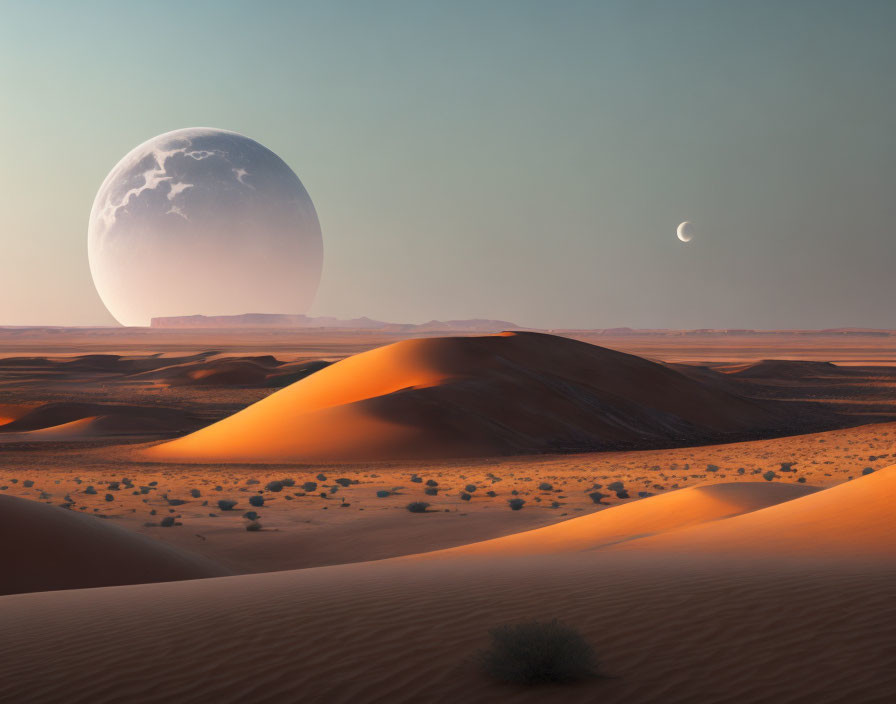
(220, 516)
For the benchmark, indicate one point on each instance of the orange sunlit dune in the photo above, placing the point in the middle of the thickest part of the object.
(851, 519)
(627, 522)
(473, 396)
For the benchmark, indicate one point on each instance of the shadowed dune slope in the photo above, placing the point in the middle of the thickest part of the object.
(44, 548)
(856, 518)
(676, 631)
(474, 396)
(74, 421)
(654, 515)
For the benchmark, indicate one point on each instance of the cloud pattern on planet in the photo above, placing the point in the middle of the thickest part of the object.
(203, 221)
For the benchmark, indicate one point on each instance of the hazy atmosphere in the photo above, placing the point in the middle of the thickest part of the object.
(516, 160)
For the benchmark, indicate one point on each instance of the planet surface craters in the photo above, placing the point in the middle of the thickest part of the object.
(685, 231)
(203, 221)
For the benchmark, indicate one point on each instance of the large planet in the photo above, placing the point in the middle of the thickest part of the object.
(203, 221)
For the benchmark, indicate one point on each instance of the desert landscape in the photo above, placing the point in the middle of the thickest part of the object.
(272, 517)
(405, 352)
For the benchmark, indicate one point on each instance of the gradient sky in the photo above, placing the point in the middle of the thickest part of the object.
(527, 161)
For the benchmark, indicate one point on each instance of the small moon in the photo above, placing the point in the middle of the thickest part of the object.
(685, 231)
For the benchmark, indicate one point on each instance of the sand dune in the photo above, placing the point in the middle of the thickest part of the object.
(76, 421)
(655, 515)
(45, 547)
(853, 519)
(13, 411)
(473, 396)
(675, 626)
(262, 371)
(694, 628)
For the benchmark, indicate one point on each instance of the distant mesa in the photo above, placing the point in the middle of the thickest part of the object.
(786, 369)
(274, 320)
(502, 394)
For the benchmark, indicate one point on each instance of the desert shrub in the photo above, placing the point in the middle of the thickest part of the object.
(344, 481)
(597, 496)
(309, 486)
(383, 493)
(644, 494)
(321, 477)
(867, 470)
(274, 486)
(712, 468)
(251, 515)
(538, 653)
(544, 486)
(516, 504)
(416, 479)
(167, 522)
(801, 480)
(622, 494)
(226, 504)
(176, 502)
(90, 489)
(491, 493)
(417, 507)
(257, 500)
(431, 482)
(288, 482)
(430, 491)
(616, 486)
(470, 488)
(28, 483)
(252, 481)
(465, 496)
(109, 497)
(769, 475)
(253, 526)
(195, 493)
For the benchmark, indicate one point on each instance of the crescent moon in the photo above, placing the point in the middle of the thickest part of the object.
(685, 232)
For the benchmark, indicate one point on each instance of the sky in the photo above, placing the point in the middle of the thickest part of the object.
(524, 161)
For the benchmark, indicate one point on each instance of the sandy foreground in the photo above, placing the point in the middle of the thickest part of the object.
(689, 625)
(756, 571)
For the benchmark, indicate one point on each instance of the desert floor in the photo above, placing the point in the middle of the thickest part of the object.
(340, 595)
